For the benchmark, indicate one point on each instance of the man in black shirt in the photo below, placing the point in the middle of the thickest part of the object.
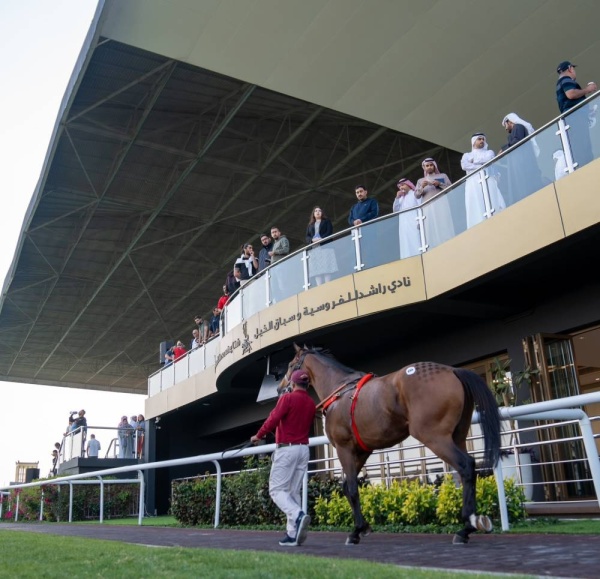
(568, 95)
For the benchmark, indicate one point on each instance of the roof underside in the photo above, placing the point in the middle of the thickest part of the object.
(185, 136)
(161, 171)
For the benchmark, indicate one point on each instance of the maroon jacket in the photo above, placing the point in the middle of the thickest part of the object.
(292, 417)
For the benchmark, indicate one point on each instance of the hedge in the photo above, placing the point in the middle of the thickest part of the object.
(245, 501)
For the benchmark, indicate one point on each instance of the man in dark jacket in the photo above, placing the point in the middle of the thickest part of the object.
(365, 210)
(264, 259)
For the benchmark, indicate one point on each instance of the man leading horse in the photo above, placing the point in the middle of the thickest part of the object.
(291, 418)
(432, 402)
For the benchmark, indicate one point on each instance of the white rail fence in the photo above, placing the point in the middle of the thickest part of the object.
(561, 409)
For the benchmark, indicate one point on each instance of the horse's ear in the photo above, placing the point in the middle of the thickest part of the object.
(297, 348)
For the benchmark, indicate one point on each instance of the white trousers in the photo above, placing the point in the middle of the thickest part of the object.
(285, 482)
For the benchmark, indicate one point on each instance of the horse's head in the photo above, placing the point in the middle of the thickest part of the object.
(297, 361)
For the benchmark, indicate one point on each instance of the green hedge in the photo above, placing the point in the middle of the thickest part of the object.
(119, 501)
(245, 501)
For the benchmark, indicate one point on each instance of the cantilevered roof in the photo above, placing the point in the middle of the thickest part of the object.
(190, 127)
(436, 69)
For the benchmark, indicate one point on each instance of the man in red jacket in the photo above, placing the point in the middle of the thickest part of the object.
(292, 418)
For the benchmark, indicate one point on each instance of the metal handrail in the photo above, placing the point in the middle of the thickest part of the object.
(259, 278)
(550, 410)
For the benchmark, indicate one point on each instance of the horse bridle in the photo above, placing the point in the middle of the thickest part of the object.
(288, 374)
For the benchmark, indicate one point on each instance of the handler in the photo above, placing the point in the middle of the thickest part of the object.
(292, 418)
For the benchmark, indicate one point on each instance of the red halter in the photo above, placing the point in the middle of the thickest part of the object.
(360, 384)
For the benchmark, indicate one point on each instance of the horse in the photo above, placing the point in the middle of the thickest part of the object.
(429, 401)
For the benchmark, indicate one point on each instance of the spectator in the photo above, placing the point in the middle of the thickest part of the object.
(169, 358)
(322, 262)
(133, 445)
(409, 237)
(71, 426)
(439, 226)
(247, 262)
(202, 328)
(281, 245)
(523, 175)
(264, 259)
(214, 322)
(124, 432)
(196, 341)
(54, 462)
(141, 431)
(235, 281)
(178, 351)
(80, 425)
(231, 282)
(569, 94)
(365, 209)
(93, 447)
(472, 162)
(517, 130)
(238, 276)
(223, 299)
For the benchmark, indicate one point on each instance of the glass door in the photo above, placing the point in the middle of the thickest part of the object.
(564, 464)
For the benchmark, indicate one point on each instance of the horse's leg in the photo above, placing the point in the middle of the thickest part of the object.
(352, 462)
(446, 449)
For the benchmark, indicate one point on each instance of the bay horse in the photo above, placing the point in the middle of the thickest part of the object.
(429, 401)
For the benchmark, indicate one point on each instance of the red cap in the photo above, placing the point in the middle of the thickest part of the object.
(300, 377)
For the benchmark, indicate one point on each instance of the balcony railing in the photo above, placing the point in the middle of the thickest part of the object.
(553, 151)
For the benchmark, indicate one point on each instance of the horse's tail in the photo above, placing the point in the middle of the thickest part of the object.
(488, 413)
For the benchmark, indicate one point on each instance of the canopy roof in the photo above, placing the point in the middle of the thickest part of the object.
(190, 128)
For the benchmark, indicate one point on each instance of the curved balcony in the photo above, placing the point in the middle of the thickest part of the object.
(406, 257)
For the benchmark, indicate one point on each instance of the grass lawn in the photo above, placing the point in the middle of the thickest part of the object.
(567, 527)
(25, 555)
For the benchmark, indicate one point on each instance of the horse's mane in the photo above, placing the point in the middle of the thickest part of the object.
(326, 353)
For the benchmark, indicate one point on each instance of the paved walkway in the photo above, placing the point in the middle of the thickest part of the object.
(542, 555)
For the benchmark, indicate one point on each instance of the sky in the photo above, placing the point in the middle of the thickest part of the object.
(40, 41)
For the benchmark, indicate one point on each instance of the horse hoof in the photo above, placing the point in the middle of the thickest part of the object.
(460, 540)
(352, 541)
(484, 524)
(366, 531)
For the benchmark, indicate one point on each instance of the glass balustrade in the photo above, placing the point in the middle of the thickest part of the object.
(233, 309)
(286, 278)
(580, 133)
(331, 260)
(527, 168)
(254, 295)
(444, 216)
(196, 360)
(520, 172)
(380, 243)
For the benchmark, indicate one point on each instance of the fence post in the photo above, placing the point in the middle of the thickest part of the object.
(70, 502)
(142, 499)
(218, 494)
(501, 497)
(101, 499)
